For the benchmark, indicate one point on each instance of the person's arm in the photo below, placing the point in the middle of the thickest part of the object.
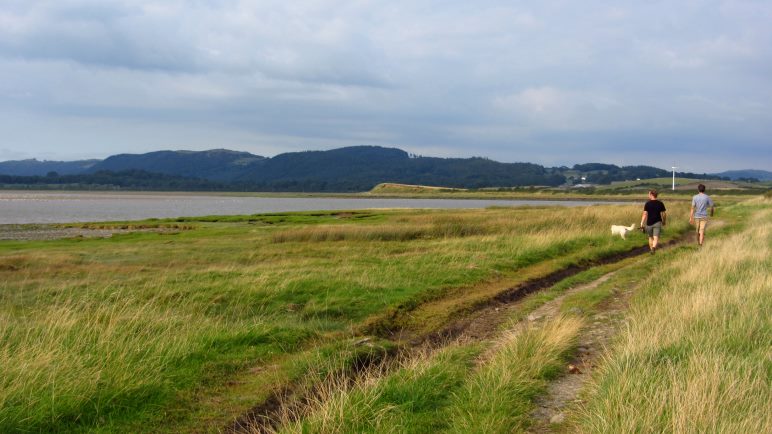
(644, 217)
(691, 214)
(664, 218)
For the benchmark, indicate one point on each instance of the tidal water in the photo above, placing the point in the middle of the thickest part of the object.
(17, 207)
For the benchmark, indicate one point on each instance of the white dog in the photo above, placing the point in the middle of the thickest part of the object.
(621, 230)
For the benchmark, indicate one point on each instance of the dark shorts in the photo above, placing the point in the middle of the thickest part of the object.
(654, 230)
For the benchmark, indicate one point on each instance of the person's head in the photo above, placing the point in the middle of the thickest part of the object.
(653, 194)
(701, 188)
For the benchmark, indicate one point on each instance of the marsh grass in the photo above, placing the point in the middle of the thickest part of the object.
(129, 226)
(696, 354)
(498, 397)
(437, 227)
(67, 361)
(127, 330)
(406, 396)
(449, 390)
(82, 361)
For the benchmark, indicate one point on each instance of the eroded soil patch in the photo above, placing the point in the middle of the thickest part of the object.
(486, 318)
(480, 324)
(593, 341)
(52, 232)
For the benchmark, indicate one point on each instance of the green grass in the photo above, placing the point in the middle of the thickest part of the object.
(146, 328)
(695, 356)
(461, 388)
(410, 398)
(724, 192)
(497, 393)
(498, 396)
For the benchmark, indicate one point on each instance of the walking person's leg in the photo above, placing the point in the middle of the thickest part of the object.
(653, 232)
(697, 235)
(654, 236)
(702, 224)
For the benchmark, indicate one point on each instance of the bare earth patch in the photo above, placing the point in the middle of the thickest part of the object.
(593, 340)
(50, 232)
(592, 343)
(485, 324)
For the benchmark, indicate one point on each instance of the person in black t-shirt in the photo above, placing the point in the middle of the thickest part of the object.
(653, 218)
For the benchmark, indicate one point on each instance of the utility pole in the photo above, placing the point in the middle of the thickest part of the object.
(674, 168)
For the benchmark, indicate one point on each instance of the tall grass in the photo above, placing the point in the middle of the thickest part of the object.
(69, 359)
(442, 391)
(437, 227)
(76, 361)
(407, 398)
(497, 398)
(533, 221)
(696, 355)
(92, 331)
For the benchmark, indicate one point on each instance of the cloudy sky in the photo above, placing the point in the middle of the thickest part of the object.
(551, 82)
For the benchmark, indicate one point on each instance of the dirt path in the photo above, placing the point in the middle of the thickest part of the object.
(486, 320)
(592, 343)
(485, 323)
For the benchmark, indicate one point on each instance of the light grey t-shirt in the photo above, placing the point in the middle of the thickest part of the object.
(701, 202)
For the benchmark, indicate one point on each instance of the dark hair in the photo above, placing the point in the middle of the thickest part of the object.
(653, 193)
(701, 188)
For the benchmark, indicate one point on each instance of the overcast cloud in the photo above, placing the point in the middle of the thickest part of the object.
(551, 82)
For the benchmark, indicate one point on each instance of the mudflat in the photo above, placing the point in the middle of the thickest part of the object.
(49, 232)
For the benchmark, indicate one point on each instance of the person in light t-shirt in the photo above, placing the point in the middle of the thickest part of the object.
(698, 216)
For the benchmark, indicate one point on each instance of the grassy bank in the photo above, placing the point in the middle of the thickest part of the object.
(723, 192)
(696, 355)
(684, 376)
(183, 329)
(460, 389)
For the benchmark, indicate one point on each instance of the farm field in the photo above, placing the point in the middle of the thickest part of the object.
(203, 323)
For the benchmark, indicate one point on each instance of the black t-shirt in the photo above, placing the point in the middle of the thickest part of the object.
(654, 210)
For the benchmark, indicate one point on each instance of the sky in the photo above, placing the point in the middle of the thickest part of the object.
(661, 83)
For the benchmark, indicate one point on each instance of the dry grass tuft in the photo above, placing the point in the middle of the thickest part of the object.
(497, 398)
(696, 354)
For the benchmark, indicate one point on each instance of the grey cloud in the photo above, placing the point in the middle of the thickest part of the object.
(513, 82)
(195, 37)
(93, 33)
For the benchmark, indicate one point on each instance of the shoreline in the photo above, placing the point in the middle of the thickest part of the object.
(79, 207)
(456, 195)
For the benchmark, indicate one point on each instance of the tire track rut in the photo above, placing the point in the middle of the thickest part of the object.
(483, 322)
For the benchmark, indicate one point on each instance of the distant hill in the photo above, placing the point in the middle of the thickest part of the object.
(106, 180)
(360, 168)
(35, 167)
(597, 173)
(349, 169)
(215, 164)
(356, 168)
(761, 175)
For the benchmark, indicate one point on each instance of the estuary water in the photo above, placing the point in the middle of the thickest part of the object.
(20, 207)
